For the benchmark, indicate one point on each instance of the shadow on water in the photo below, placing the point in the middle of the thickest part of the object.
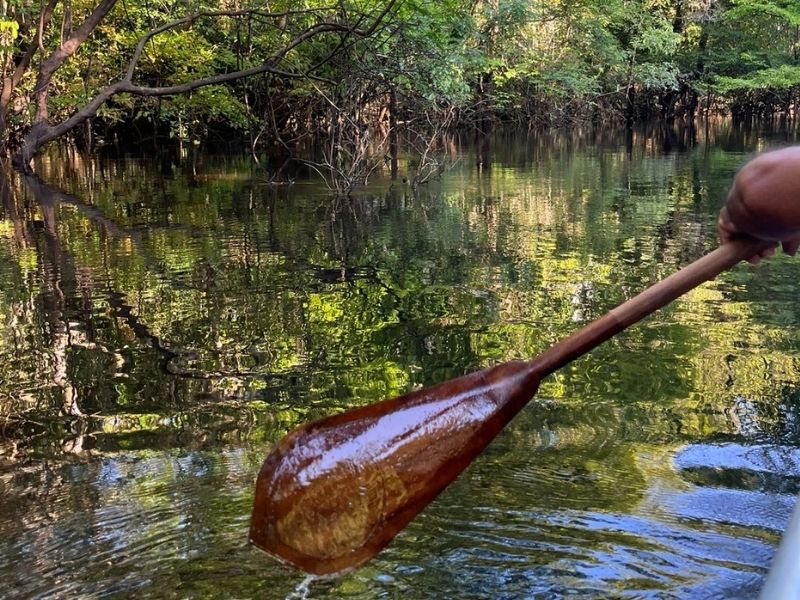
(165, 323)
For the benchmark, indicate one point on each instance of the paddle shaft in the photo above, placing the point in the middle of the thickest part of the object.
(648, 301)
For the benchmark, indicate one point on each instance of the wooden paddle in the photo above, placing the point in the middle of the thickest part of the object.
(334, 492)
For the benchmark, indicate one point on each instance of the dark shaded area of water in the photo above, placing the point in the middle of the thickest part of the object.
(164, 323)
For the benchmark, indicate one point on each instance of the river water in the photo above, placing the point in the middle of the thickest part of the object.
(165, 321)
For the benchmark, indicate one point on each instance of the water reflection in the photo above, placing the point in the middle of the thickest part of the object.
(163, 326)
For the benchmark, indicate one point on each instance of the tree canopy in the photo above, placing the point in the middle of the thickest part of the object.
(277, 74)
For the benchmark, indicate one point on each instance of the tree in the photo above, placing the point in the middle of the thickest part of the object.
(754, 56)
(287, 30)
(343, 86)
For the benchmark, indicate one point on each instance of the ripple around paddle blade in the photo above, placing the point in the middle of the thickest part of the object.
(121, 522)
(488, 553)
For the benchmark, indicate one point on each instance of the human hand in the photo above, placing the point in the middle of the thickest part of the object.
(728, 231)
(764, 203)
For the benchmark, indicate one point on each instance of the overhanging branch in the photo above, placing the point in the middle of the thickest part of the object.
(43, 132)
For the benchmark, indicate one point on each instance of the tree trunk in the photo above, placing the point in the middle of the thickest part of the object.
(630, 109)
(23, 158)
(393, 146)
(21, 67)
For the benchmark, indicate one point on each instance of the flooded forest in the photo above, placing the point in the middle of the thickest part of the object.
(221, 222)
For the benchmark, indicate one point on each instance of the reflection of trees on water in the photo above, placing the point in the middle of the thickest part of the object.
(50, 258)
(168, 301)
(70, 358)
(158, 337)
(111, 524)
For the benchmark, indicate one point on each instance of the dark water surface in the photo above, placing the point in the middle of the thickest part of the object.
(162, 324)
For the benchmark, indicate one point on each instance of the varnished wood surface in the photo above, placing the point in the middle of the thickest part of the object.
(333, 493)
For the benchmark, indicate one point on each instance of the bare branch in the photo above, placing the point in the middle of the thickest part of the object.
(63, 52)
(24, 61)
(190, 19)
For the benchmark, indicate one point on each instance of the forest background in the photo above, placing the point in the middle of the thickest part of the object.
(359, 79)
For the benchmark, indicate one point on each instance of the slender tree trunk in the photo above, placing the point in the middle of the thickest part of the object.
(41, 131)
(691, 107)
(630, 109)
(393, 146)
(61, 54)
(10, 82)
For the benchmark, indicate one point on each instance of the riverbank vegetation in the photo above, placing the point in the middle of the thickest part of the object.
(346, 83)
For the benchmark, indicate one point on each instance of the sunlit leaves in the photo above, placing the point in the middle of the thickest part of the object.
(9, 30)
(753, 51)
(784, 77)
(765, 11)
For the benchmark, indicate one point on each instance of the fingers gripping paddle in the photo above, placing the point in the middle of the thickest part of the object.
(334, 492)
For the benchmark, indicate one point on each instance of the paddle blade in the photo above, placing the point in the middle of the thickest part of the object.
(333, 493)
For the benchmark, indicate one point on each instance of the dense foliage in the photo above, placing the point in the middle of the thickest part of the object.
(282, 74)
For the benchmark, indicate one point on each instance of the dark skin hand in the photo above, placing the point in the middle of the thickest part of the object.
(764, 202)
